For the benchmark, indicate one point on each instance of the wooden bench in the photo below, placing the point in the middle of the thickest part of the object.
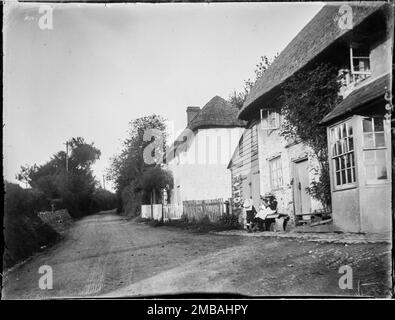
(299, 218)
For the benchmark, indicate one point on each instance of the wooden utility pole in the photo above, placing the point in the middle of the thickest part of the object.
(104, 183)
(67, 156)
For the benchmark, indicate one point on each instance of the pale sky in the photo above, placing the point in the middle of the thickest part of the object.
(104, 65)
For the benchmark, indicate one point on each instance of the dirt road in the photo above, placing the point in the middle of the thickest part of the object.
(107, 255)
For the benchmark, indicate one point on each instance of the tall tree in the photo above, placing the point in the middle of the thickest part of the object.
(74, 184)
(127, 167)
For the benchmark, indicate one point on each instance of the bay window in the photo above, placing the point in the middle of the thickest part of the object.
(342, 152)
(374, 149)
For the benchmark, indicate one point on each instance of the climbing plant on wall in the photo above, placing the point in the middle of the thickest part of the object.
(306, 98)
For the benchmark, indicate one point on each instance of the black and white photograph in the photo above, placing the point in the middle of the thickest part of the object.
(197, 149)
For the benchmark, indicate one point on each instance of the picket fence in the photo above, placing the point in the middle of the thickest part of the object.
(146, 211)
(198, 209)
(194, 210)
(170, 212)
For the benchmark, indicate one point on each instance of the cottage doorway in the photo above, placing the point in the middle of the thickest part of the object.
(301, 181)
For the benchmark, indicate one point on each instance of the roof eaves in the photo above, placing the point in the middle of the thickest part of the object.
(283, 62)
(358, 98)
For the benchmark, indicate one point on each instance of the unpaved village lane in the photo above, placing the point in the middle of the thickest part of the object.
(107, 255)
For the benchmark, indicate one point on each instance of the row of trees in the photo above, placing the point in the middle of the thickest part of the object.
(136, 180)
(68, 180)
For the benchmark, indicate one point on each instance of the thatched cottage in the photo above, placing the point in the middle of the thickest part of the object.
(199, 156)
(358, 134)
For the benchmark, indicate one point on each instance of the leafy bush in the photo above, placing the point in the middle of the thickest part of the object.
(25, 201)
(24, 231)
(155, 223)
(205, 220)
(226, 222)
(103, 200)
(184, 218)
(131, 200)
(140, 219)
(154, 180)
(230, 221)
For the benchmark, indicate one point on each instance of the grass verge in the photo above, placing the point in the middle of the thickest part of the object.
(226, 222)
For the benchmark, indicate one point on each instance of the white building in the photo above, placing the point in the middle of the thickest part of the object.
(198, 158)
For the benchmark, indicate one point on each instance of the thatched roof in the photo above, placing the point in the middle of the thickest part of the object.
(312, 40)
(217, 113)
(359, 97)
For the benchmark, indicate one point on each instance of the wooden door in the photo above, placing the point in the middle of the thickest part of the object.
(301, 182)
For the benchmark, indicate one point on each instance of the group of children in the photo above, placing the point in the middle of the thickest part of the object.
(259, 219)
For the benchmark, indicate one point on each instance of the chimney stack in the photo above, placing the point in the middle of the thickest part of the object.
(191, 113)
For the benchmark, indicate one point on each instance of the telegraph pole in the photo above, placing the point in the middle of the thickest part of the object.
(104, 183)
(67, 156)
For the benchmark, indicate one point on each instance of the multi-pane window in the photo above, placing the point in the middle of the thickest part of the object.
(374, 149)
(270, 119)
(358, 70)
(360, 63)
(276, 173)
(342, 149)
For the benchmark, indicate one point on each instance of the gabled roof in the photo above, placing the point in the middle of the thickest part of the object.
(312, 40)
(217, 113)
(359, 97)
(236, 150)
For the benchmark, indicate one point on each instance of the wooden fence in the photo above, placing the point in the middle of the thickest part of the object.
(157, 212)
(194, 210)
(170, 212)
(146, 211)
(198, 209)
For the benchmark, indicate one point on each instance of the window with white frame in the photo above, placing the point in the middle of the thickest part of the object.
(360, 63)
(270, 119)
(276, 172)
(342, 152)
(374, 149)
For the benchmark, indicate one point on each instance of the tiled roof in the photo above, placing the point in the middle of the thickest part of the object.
(312, 40)
(359, 97)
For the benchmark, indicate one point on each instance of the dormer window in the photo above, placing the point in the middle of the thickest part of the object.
(358, 71)
(270, 119)
(360, 63)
